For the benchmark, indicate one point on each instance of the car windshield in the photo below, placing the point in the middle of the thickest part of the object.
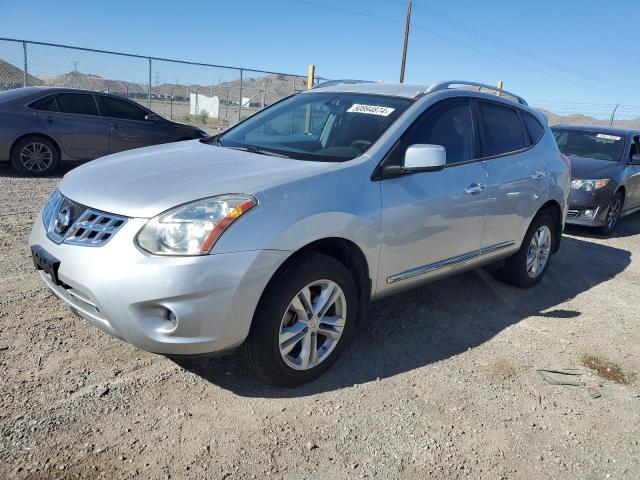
(590, 144)
(329, 127)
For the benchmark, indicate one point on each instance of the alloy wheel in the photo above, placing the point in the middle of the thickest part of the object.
(312, 324)
(539, 251)
(614, 213)
(36, 157)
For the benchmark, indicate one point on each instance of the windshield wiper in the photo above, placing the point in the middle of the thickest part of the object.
(260, 151)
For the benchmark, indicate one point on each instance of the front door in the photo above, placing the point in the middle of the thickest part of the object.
(128, 127)
(432, 222)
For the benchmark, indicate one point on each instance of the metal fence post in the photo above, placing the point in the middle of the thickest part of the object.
(240, 104)
(613, 115)
(149, 92)
(24, 73)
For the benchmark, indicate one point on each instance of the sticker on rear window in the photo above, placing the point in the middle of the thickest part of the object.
(608, 137)
(371, 109)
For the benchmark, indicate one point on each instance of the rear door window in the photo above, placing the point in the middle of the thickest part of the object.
(501, 130)
(78, 103)
(117, 108)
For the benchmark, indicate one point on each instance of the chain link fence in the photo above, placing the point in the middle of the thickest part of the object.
(211, 97)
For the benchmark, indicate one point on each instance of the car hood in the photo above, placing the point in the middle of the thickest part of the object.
(592, 169)
(147, 181)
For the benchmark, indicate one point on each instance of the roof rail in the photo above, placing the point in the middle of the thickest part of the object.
(331, 83)
(447, 84)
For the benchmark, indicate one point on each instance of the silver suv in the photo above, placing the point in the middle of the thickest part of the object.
(275, 235)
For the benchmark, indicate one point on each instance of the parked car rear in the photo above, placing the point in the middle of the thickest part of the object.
(43, 126)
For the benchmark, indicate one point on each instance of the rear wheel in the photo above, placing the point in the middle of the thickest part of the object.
(302, 322)
(35, 156)
(529, 264)
(613, 214)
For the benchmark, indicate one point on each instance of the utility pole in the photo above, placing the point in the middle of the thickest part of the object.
(406, 41)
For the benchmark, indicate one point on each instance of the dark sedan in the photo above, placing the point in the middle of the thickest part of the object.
(42, 126)
(605, 179)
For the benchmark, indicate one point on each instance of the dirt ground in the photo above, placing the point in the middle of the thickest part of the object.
(441, 382)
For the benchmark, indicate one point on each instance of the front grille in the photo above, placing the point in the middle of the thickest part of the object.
(69, 222)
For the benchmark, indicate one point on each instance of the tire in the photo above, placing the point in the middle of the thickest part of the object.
(278, 318)
(35, 156)
(613, 214)
(527, 266)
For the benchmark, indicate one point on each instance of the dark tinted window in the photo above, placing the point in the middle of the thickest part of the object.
(448, 124)
(117, 108)
(635, 146)
(80, 103)
(46, 104)
(533, 127)
(500, 129)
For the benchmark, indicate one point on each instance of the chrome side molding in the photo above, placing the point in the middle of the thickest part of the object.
(414, 272)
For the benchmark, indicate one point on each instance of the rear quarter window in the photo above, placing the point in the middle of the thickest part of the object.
(534, 128)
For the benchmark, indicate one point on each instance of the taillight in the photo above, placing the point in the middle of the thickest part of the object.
(567, 161)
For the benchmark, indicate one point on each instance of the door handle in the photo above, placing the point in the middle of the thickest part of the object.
(475, 188)
(537, 175)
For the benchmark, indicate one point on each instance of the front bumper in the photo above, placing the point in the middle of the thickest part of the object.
(581, 202)
(167, 305)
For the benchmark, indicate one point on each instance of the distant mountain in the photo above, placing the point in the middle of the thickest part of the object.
(580, 119)
(13, 77)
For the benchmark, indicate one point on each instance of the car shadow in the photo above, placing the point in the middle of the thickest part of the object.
(7, 170)
(435, 322)
(627, 227)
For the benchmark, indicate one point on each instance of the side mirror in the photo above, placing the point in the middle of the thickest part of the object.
(153, 117)
(635, 159)
(424, 158)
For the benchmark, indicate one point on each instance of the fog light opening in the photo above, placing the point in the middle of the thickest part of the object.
(589, 213)
(171, 320)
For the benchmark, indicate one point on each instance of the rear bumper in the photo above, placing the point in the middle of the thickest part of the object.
(168, 305)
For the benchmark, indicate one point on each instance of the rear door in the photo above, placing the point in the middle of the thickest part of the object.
(432, 222)
(127, 125)
(517, 175)
(73, 120)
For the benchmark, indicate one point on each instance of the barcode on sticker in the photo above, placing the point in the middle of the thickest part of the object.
(371, 109)
(608, 137)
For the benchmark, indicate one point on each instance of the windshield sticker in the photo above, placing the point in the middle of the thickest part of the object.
(371, 109)
(608, 137)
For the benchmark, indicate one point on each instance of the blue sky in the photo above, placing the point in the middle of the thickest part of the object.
(548, 51)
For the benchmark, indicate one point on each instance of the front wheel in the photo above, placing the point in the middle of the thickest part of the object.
(303, 321)
(613, 214)
(529, 264)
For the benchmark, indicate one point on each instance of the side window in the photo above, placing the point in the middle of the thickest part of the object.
(635, 146)
(46, 104)
(80, 103)
(449, 124)
(533, 127)
(117, 108)
(500, 129)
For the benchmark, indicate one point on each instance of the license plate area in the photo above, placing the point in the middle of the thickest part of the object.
(46, 262)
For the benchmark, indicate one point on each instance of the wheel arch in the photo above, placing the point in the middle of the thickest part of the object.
(553, 207)
(346, 252)
(36, 134)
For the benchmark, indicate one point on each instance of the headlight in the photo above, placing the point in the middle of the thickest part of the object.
(193, 228)
(589, 185)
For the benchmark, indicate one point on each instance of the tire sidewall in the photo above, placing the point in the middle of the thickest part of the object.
(517, 265)
(263, 338)
(20, 168)
(605, 230)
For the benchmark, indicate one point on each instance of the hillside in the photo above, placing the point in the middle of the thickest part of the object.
(12, 76)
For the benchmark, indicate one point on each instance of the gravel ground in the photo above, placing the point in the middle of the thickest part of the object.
(441, 382)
